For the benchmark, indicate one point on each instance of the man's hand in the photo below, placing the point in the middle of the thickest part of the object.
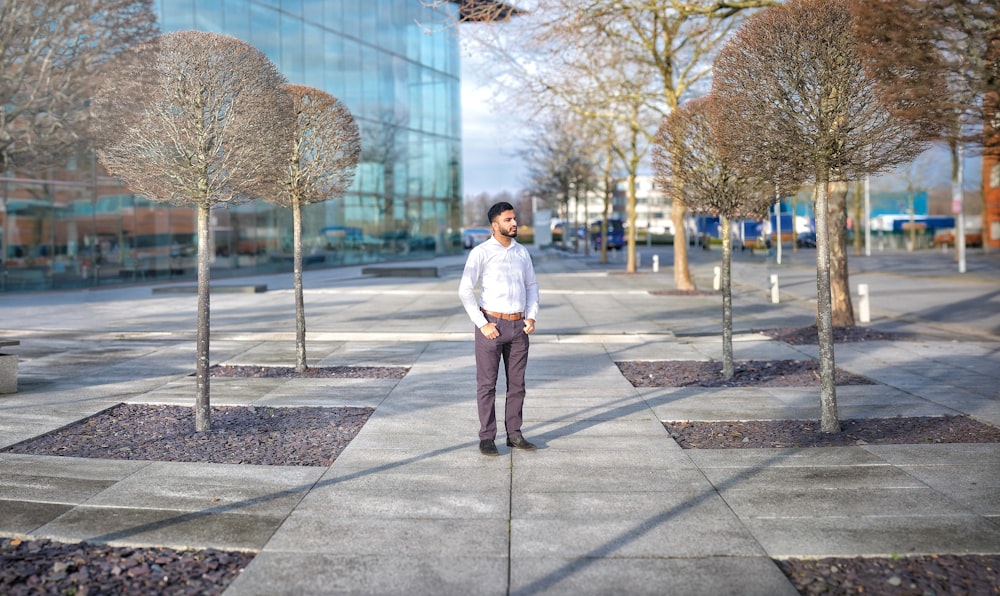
(489, 330)
(529, 326)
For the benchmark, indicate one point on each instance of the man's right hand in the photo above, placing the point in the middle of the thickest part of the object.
(489, 330)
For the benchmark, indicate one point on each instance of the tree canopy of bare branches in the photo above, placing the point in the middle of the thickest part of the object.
(209, 126)
(798, 104)
(326, 147)
(51, 53)
(616, 59)
(956, 42)
(690, 166)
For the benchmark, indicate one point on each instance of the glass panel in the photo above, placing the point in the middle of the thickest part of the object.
(263, 34)
(237, 19)
(291, 64)
(208, 16)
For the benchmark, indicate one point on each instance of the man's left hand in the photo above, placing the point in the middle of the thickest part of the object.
(529, 326)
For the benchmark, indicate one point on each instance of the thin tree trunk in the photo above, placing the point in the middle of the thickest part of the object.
(682, 274)
(202, 406)
(829, 422)
(300, 311)
(631, 261)
(727, 299)
(840, 286)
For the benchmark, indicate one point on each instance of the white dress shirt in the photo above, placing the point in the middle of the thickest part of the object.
(505, 277)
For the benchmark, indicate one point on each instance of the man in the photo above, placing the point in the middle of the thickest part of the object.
(504, 316)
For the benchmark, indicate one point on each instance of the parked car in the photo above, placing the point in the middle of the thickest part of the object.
(616, 234)
(806, 240)
(474, 236)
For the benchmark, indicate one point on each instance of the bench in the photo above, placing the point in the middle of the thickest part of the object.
(400, 271)
(8, 367)
(220, 289)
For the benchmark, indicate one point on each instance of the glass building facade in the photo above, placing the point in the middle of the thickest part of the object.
(393, 65)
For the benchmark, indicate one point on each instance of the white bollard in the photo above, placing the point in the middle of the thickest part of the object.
(717, 280)
(774, 289)
(656, 263)
(864, 305)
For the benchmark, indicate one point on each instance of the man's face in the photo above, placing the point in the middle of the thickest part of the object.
(506, 224)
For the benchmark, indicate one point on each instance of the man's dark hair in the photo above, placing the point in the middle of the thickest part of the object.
(499, 208)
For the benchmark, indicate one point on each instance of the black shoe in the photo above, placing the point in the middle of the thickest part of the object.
(487, 447)
(519, 442)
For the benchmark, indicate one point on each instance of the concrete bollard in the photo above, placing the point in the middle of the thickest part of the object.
(864, 305)
(717, 280)
(656, 263)
(774, 289)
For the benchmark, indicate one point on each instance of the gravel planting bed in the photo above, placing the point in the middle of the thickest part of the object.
(746, 373)
(757, 434)
(299, 436)
(911, 576)
(82, 569)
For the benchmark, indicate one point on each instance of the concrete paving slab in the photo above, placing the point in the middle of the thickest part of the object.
(323, 532)
(49, 479)
(138, 526)
(833, 477)
(442, 504)
(256, 490)
(756, 459)
(763, 503)
(704, 576)
(875, 536)
(671, 533)
(22, 518)
(282, 573)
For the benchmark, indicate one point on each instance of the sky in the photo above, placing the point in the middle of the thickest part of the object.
(489, 138)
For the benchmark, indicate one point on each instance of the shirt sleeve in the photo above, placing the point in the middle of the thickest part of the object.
(530, 291)
(467, 287)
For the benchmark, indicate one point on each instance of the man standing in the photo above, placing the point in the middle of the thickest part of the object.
(504, 316)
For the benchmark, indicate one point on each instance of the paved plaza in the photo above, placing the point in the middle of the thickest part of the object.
(609, 503)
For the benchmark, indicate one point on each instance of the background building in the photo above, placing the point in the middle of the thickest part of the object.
(392, 62)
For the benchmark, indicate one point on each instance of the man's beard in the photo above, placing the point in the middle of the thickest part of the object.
(509, 233)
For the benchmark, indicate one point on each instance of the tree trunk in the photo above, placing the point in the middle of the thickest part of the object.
(202, 407)
(824, 325)
(631, 261)
(727, 299)
(682, 274)
(860, 225)
(300, 311)
(957, 203)
(840, 286)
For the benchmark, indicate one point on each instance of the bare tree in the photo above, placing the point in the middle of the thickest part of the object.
(50, 55)
(561, 163)
(691, 166)
(954, 40)
(326, 147)
(797, 103)
(663, 49)
(210, 127)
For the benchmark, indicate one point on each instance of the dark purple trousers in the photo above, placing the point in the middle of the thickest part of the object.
(512, 348)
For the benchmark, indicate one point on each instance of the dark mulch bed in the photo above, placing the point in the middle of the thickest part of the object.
(931, 574)
(321, 372)
(756, 434)
(48, 567)
(300, 436)
(746, 373)
(802, 336)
